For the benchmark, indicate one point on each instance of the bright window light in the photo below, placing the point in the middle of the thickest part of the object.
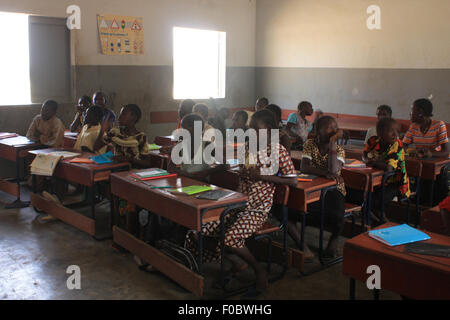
(199, 63)
(14, 59)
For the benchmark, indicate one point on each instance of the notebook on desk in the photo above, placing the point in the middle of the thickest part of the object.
(398, 235)
(215, 195)
(152, 174)
(191, 190)
(303, 177)
(44, 164)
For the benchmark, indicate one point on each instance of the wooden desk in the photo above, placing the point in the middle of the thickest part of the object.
(353, 151)
(69, 139)
(181, 209)
(165, 141)
(432, 220)
(15, 149)
(158, 159)
(87, 175)
(412, 275)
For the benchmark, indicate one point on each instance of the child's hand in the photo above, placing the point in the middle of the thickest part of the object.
(338, 135)
(106, 124)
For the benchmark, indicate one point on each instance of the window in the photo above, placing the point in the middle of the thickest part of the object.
(199, 63)
(34, 59)
(14, 59)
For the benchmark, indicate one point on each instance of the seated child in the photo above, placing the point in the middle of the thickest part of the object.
(46, 128)
(109, 116)
(284, 138)
(239, 120)
(322, 156)
(127, 142)
(297, 126)
(385, 151)
(184, 109)
(90, 131)
(429, 136)
(383, 111)
(200, 171)
(243, 223)
(430, 140)
(83, 104)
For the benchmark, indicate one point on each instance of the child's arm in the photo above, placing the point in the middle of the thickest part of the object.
(255, 174)
(76, 122)
(99, 143)
(33, 133)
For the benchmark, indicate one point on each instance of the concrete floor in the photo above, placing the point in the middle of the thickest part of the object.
(34, 258)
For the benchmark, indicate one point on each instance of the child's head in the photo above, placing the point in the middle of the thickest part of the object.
(239, 119)
(48, 110)
(94, 115)
(185, 108)
(129, 115)
(84, 102)
(420, 110)
(201, 109)
(326, 127)
(261, 103)
(387, 130)
(263, 119)
(276, 110)
(99, 99)
(188, 123)
(223, 113)
(384, 111)
(305, 108)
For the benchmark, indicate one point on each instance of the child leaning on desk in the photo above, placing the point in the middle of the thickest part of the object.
(241, 224)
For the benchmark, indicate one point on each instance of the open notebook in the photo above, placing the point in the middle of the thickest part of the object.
(44, 164)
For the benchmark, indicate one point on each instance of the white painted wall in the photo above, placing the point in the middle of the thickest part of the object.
(333, 33)
(236, 17)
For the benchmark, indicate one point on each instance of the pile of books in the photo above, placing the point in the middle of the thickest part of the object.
(353, 163)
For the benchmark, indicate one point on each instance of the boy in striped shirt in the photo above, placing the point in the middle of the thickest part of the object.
(429, 136)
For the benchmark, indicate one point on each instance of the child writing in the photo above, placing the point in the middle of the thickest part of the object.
(90, 131)
(127, 142)
(83, 104)
(46, 128)
(243, 223)
(385, 151)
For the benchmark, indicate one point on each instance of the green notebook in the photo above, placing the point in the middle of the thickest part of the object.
(152, 147)
(192, 189)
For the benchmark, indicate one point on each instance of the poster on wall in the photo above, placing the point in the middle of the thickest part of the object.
(121, 35)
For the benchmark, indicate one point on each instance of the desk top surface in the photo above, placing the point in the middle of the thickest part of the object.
(19, 141)
(366, 243)
(176, 182)
(85, 166)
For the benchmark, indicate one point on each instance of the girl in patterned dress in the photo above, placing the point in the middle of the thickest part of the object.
(385, 151)
(322, 156)
(243, 223)
(128, 143)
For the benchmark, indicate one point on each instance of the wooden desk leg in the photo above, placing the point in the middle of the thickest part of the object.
(302, 232)
(18, 203)
(352, 289)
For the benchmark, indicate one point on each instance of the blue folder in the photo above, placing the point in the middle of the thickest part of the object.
(103, 158)
(394, 236)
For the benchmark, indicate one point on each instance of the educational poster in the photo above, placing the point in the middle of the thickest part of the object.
(121, 35)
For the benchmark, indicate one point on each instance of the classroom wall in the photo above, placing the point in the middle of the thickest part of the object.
(322, 51)
(147, 79)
